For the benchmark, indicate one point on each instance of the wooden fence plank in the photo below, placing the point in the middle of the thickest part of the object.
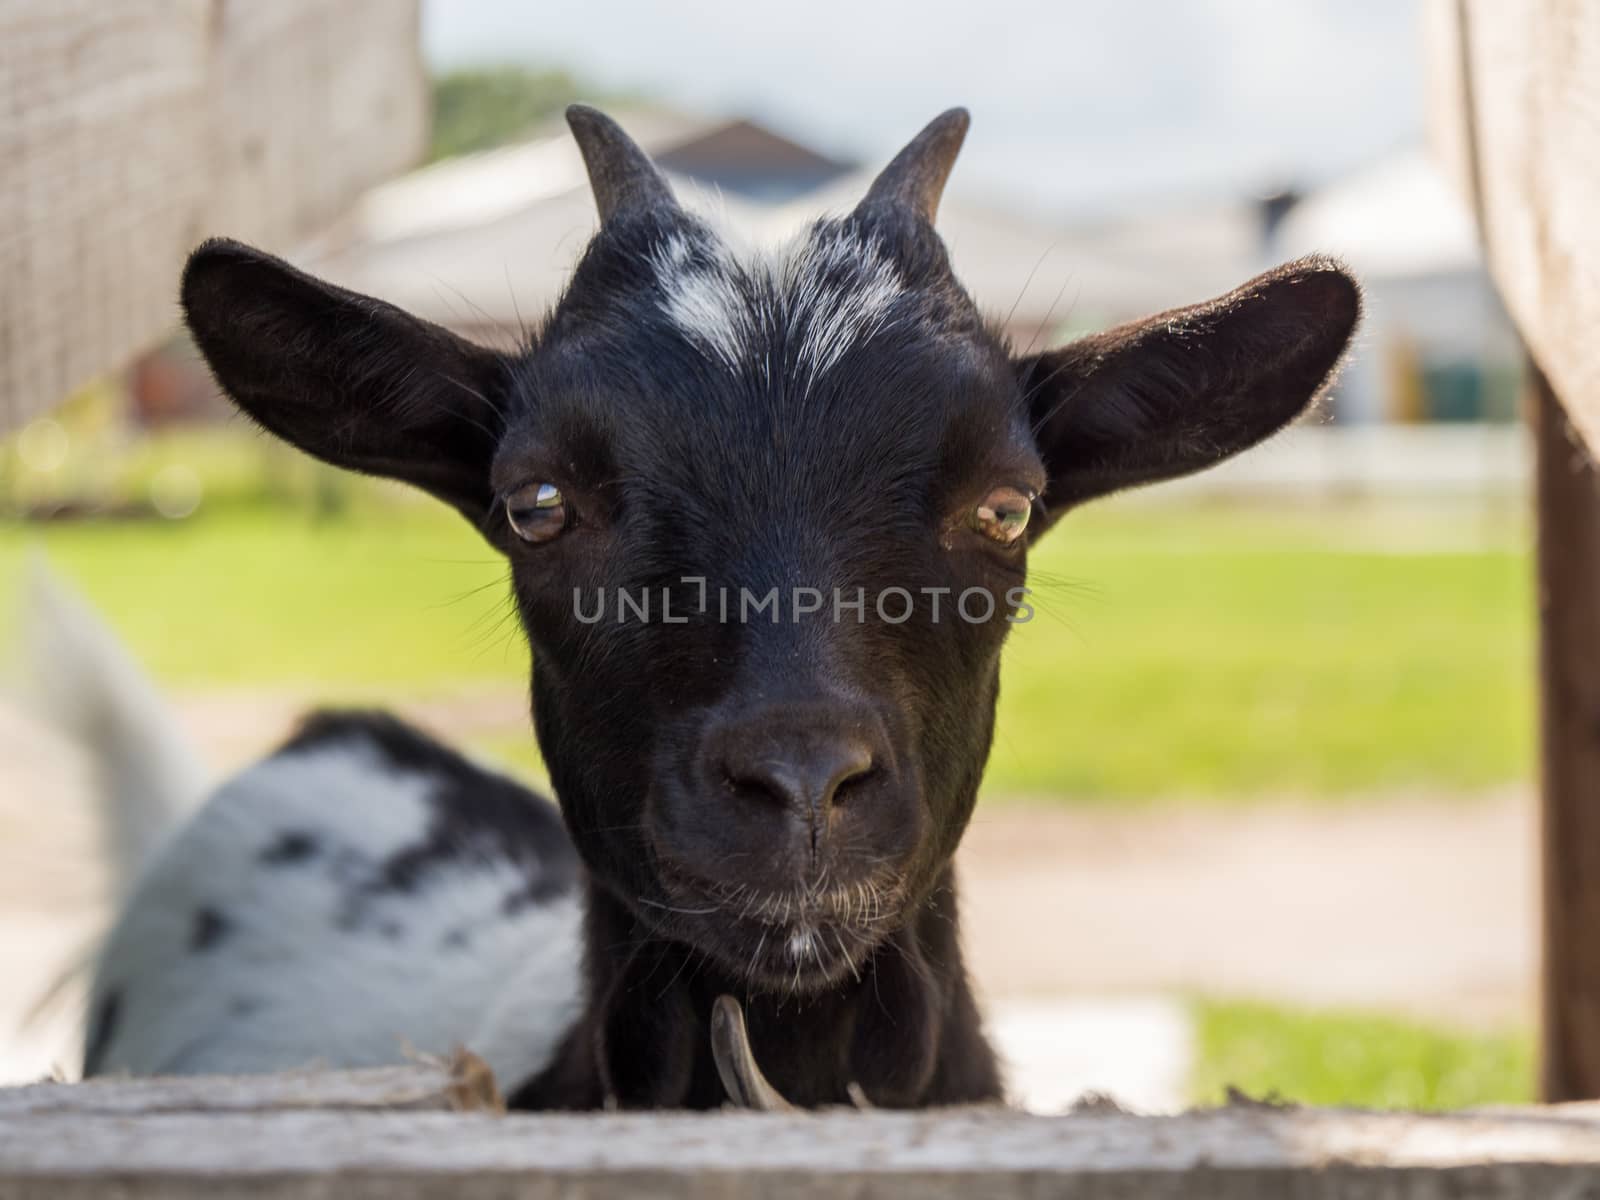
(1515, 114)
(1515, 100)
(131, 130)
(319, 1134)
(1568, 504)
(463, 1084)
(1234, 1153)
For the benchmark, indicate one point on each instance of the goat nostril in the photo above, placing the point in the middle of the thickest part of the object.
(809, 783)
(852, 766)
(854, 783)
(752, 786)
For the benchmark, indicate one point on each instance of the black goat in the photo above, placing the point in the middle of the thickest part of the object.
(768, 519)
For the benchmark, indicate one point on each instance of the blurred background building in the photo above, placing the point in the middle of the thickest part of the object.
(483, 241)
(1100, 196)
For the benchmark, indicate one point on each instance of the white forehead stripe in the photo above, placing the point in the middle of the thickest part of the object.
(828, 290)
(705, 304)
(838, 315)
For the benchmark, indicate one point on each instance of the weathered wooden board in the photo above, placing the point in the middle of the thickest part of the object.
(316, 1135)
(1515, 96)
(130, 130)
(1232, 1154)
(463, 1084)
(1515, 111)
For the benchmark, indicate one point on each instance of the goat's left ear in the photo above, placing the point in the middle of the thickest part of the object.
(350, 379)
(1182, 391)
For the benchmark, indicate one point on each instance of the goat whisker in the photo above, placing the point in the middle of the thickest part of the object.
(697, 912)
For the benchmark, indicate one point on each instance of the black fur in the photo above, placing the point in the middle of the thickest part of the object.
(476, 815)
(291, 847)
(102, 1027)
(714, 774)
(208, 930)
(907, 1031)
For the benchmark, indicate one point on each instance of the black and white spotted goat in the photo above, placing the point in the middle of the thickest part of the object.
(733, 489)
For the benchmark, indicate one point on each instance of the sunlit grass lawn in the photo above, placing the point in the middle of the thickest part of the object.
(1177, 652)
(1343, 1058)
(1231, 653)
(385, 598)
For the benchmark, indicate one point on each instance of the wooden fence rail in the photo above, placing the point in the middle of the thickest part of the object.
(318, 1135)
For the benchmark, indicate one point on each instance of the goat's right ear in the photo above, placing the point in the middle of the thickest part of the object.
(1183, 390)
(350, 379)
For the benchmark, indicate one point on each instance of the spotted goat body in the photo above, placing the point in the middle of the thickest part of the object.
(369, 850)
(757, 806)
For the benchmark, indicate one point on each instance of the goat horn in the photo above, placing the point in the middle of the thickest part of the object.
(746, 1086)
(915, 178)
(621, 175)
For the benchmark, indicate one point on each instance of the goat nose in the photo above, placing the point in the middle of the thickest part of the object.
(808, 779)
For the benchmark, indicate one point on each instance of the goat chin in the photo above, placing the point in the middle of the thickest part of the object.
(793, 941)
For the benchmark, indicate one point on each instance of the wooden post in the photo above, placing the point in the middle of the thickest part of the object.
(1515, 106)
(1568, 506)
(131, 129)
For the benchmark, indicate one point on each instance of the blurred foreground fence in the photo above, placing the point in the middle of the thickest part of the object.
(1515, 91)
(427, 1132)
(1380, 460)
(131, 130)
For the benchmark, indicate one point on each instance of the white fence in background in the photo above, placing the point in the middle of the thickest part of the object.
(1419, 461)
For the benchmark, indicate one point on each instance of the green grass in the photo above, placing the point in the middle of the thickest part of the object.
(1226, 653)
(391, 598)
(1354, 1059)
(1177, 652)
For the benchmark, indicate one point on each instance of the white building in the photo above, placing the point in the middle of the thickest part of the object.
(1436, 343)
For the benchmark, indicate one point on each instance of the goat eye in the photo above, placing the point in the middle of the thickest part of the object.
(537, 511)
(1003, 515)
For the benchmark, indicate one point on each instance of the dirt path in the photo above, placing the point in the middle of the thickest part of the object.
(1415, 904)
